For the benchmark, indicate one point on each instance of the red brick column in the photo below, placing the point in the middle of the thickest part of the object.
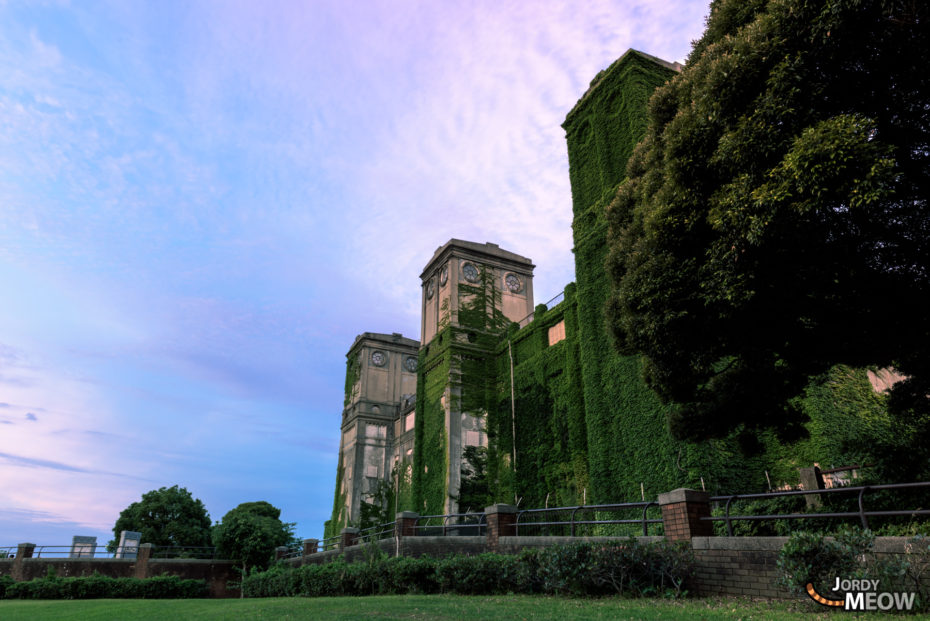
(405, 524)
(349, 537)
(682, 510)
(502, 522)
(280, 552)
(141, 567)
(310, 546)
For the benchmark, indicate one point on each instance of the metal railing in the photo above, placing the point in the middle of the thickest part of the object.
(376, 533)
(572, 522)
(452, 524)
(330, 543)
(185, 552)
(294, 551)
(101, 552)
(862, 514)
(558, 299)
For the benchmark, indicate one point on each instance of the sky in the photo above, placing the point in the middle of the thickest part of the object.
(203, 203)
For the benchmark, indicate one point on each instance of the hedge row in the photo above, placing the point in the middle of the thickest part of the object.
(100, 587)
(582, 569)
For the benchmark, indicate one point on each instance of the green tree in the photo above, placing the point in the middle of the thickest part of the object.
(168, 516)
(378, 507)
(774, 220)
(250, 533)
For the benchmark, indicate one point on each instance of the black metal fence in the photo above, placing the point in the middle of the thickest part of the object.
(330, 543)
(376, 533)
(101, 552)
(861, 513)
(461, 524)
(588, 520)
(558, 299)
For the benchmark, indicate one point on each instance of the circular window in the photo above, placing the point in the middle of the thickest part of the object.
(430, 289)
(470, 272)
(443, 275)
(378, 358)
(513, 283)
(410, 364)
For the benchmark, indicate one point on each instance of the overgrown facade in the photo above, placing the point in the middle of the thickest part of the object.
(534, 405)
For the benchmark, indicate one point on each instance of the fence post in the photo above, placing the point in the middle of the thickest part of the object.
(682, 510)
(280, 552)
(405, 525)
(349, 537)
(23, 550)
(502, 522)
(310, 546)
(811, 478)
(141, 567)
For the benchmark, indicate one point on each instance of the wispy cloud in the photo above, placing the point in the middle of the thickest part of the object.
(201, 205)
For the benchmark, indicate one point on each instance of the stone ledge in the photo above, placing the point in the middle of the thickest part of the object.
(743, 544)
(683, 494)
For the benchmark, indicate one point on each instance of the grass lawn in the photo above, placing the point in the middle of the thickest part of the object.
(509, 607)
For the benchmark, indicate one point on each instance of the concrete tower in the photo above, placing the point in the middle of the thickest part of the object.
(469, 291)
(381, 375)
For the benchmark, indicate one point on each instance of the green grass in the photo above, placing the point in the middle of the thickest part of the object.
(505, 607)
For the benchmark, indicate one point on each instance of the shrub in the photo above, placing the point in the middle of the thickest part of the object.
(485, 574)
(627, 568)
(410, 575)
(97, 586)
(812, 558)
(5, 583)
(581, 569)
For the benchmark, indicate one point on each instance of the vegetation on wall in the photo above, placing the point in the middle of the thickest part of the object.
(584, 422)
(353, 373)
(429, 455)
(627, 446)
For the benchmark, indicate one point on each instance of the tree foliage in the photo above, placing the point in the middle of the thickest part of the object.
(250, 533)
(168, 516)
(774, 220)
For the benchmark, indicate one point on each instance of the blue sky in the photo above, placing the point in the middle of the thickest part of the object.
(203, 203)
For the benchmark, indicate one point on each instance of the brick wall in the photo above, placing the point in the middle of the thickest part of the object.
(737, 566)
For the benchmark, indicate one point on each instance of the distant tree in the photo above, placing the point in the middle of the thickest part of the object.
(168, 516)
(774, 221)
(250, 533)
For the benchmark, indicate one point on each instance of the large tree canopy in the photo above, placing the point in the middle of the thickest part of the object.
(774, 221)
(168, 516)
(250, 533)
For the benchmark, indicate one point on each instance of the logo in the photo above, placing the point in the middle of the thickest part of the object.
(862, 595)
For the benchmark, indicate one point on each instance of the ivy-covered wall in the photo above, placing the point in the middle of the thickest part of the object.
(574, 420)
(625, 422)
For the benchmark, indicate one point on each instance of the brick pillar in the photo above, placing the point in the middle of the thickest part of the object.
(23, 550)
(311, 546)
(502, 522)
(349, 537)
(682, 510)
(280, 552)
(405, 524)
(141, 567)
